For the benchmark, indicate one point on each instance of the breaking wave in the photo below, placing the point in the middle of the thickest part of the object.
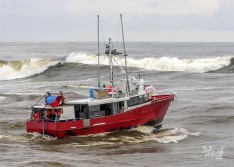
(176, 64)
(225, 69)
(159, 64)
(23, 68)
(83, 58)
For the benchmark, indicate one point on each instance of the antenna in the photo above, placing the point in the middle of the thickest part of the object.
(125, 55)
(99, 85)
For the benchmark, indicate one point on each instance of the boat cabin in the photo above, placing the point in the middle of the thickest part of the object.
(90, 108)
(87, 108)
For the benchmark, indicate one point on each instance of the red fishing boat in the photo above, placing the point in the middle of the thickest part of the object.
(128, 104)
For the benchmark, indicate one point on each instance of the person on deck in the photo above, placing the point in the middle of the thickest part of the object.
(54, 101)
(36, 116)
(110, 89)
(48, 114)
(47, 95)
(52, 115)
(60, 99)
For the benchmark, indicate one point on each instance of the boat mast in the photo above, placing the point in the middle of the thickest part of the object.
(98, 53)
(110, 61)
(125, 55)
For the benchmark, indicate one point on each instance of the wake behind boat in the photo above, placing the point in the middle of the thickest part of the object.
(129, 103)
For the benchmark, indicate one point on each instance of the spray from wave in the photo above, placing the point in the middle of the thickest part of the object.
(135, 135)
(23, 68)
(139, 134)
(81, 58)
(159, 64)
(165, 135)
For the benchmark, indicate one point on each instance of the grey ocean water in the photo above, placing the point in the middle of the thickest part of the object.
(197, 129)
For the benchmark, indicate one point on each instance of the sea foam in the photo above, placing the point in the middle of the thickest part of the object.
(160, 64)
(23, 68)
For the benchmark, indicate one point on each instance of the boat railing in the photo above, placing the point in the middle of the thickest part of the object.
(63, 119)
(138, 105)
(162, 97)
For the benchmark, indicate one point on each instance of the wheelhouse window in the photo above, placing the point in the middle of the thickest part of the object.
(131, 102)
(137, 100)
(141, 99)
(107, 108)
(97, 110)
(120, 105)
(81, 111)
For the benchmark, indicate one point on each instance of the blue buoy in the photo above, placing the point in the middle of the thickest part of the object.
(91, 93)
(50, 99)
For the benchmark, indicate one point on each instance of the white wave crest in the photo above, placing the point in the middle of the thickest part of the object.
(85, 59)
(144, 129)
(39, 136)
(176, 64)
(2, 98)
(174, 135)
(159, 64)
(11, 137)
(163, 136)
(24, 68)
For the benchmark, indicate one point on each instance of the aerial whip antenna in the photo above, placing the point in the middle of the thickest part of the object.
(125, 55)
(99, 85)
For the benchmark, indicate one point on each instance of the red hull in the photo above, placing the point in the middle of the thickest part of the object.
(151, 111)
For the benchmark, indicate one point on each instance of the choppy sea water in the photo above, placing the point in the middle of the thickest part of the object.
(197, 129)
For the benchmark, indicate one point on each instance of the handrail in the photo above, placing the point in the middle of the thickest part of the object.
(163, 97)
